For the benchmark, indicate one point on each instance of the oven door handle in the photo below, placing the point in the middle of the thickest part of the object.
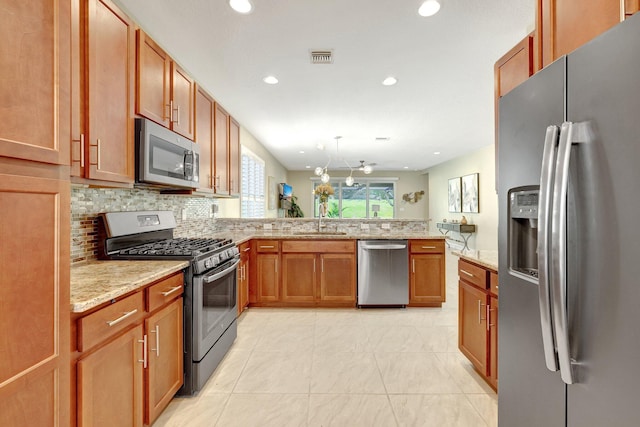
(214, 277)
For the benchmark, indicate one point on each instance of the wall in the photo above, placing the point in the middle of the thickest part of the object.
(408, 182)
(230, 208)
(482, 162)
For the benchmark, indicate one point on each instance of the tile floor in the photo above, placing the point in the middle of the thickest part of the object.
(325, 367)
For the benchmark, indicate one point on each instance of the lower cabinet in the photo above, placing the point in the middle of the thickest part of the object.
(129, 363)
(299, 278)
(338, 278)
(427, 273)
(243, 277)
(478, 319)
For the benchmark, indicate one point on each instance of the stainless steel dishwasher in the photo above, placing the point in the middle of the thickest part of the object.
(383, 273)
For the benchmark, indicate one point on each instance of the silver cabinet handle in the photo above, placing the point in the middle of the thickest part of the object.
(466, 272)
(322, 265)
(121, 318)
(82, 150)
(314, 265)
(381, 247)
(428, 247)
(479, 312)
(170, 291)
(267, 247)
(178, 114)
(171, 109)
(156, 331)
(413, 265)
(144, 352)
(246, 249)
(544, 219)
(276, 265)
(98, 154)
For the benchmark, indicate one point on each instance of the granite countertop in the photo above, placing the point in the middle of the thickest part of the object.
(486, 258)
(97, 282)
(241, 237)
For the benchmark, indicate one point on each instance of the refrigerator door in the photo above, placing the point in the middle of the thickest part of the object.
(528, 393)
(603, 236)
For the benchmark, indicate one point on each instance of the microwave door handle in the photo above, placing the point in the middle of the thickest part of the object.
(188, 164)
(214, 277)
(544, 221)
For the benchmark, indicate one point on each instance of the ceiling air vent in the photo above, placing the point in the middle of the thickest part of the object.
(321, 57)
(383, 139)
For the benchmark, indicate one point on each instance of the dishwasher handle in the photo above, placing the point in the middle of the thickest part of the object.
(379, 247)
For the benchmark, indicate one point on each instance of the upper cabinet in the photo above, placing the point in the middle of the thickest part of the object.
(104, 67)
(204, 138)
(564, 25)
(166, 94)
(221, 151)
(35, 82)
(234, 157)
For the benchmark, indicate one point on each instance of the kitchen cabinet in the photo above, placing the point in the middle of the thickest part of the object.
(561, 28)
(427, 273)
(299, 277)
(204, 139)
(478, 319)
(221, 174)
(107, 62)
(34, 294)
(243, 276)
(266, 271)
(129, 358)
(35, 84)
(631, 7)
(165, 92)
(338, 278)
(235, 171)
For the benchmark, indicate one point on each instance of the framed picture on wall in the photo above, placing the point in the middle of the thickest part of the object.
(455, 204)
(470, 201)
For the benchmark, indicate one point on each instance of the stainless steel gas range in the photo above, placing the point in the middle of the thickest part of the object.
(210, 283)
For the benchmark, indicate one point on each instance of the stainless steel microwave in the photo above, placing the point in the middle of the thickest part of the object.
(165, 158)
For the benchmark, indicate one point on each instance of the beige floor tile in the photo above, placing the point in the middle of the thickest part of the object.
(227, 373)
(462, 372)
(265, 410)
(286, 338)
(430, 410)
(272, 372)
(439, 338)
(395, 339)
(487, 406)
(352, 410)
(339, 338)
(345, 373)
(193, 411)
(415, 373)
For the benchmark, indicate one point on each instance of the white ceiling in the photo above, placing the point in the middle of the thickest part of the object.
(444, 65)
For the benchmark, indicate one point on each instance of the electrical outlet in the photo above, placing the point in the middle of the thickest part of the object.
(364, 226)
(385, 226)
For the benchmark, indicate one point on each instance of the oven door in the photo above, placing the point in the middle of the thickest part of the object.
(214, 306)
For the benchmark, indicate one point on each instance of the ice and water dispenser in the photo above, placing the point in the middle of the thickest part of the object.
(523, 232)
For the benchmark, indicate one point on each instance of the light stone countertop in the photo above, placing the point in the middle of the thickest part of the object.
(485, 258)
(97, 282)
(241, 237)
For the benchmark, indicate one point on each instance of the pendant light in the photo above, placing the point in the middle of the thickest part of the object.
(323, 173)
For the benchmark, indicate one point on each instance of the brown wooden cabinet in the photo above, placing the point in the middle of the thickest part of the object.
(164, 374)
(204, 138)
(35, 87)
(235, 171)
(564, 25)
(34, 294)
(631, 7)
(165, 92)
(109, 69)
(478, 319)
(267, 275)
(221, 150)
(427, 273)
(129, 359)
(299, 277)
(338, 278)
(243, 276)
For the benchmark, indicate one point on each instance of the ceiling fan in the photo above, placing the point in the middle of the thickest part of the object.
(367, 169)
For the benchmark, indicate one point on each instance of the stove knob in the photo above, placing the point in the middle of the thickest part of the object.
(207, 263)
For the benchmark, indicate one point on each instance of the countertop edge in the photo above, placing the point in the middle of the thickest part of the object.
(487, 259)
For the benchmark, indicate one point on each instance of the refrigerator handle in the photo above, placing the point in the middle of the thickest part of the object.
(544, 218)
(570, 133)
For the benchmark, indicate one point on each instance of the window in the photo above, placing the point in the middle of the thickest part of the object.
(252, 199)
(364, 199)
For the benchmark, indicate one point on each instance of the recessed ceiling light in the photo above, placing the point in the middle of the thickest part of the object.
(406, 167)
(429, 8)
(241, 6)
(390, 81)
(270, 80)
(436, 152)
(320, 147)
(308, 167)
(301, 152)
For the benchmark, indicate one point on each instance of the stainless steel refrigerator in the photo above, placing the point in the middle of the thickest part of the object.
(569, 234)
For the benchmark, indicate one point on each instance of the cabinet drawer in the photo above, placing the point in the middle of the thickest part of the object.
(164, 291)
(267, 245)
(472, 274)
(493, 283)
(319, 246)
(426, 246)
(104, 323)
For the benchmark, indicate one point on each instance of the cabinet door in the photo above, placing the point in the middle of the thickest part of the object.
(267, 277)
(111, 65)
(561, 24)
(243, 277)
(204, 138)
(182, 101)
(35, 81)
(472, 327)
(164, 373)
(34, 301)
(631, 7)
(110, 383)
(221, 150)
(492, 316)
(338, 278)
(299, 277)
(427, 279)
(234, 157)
(152, 80)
